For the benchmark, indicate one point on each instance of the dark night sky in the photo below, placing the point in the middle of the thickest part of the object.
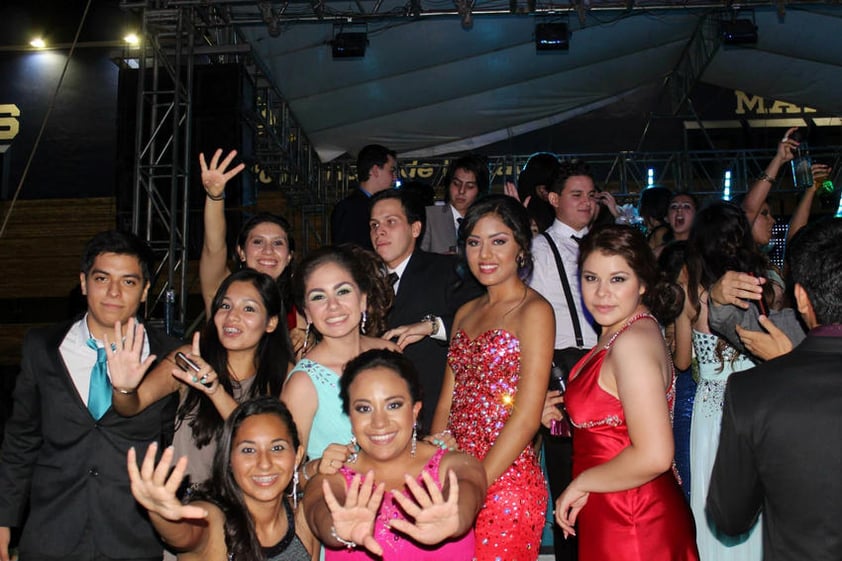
(57, 21)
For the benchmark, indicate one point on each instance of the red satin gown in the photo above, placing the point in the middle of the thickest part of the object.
(648, 523)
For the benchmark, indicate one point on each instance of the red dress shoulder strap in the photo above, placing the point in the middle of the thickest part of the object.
(629, 322)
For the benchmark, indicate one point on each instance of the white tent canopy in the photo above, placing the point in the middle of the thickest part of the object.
(429, 87)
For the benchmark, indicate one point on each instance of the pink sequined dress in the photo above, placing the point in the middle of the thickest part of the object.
(487, 370)
(397, 546)
(647, 523)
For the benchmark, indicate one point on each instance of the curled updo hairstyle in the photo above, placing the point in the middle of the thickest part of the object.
(366, 269)
(663, 298)
(379, 358)
(513, 215)
(271, 358)
(222, 489)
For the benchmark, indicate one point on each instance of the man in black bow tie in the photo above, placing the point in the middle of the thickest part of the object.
(428, 290)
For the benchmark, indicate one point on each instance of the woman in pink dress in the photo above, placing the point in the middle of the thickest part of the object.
(624, 495)
(397, 498)
(497, 375)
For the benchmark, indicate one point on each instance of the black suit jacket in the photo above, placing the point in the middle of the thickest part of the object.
(349, 220)
(430, 284)
(70, 468)
(780, 452)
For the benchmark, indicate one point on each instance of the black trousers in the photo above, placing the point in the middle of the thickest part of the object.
(558, 455)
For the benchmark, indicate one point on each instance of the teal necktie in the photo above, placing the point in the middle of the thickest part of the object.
(99, 390)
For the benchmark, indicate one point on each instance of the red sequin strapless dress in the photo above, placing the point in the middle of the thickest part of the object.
(648, 523)
(487, 370)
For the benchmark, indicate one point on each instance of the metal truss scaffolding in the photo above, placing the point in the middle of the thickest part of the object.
(177, 36)
(162, 150)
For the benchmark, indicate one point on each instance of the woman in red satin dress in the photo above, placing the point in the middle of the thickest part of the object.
(624, 497)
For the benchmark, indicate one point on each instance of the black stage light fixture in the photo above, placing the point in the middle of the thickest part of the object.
(552, 37)
(349, 45)
(741, 31)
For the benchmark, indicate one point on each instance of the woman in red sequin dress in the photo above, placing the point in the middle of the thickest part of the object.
(624, 495)
(496, 380)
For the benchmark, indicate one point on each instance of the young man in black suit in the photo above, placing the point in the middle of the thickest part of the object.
(64, 451)
(780, 446)
(428, 290)
(466, 180)
(377, 170)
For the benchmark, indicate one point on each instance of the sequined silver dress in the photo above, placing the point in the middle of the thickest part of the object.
(704, 440)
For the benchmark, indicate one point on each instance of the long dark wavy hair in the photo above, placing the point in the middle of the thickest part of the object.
(271, 359)
(663, 298)
(222, 489)
(513, 215)
(721, 241)
(284, 279)
(366, 269)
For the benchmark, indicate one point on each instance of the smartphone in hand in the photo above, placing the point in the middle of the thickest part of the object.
(185, 363)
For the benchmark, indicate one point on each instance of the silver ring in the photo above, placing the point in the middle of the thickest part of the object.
(784, 139)
(113, 347)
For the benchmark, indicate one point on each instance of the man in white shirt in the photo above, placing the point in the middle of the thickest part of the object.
(573, 198)
(64, 450)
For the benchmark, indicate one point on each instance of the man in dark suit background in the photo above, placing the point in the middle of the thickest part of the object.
(466, 180)
(780, 447)
(64, 451)
(377, 170)
(428, 290)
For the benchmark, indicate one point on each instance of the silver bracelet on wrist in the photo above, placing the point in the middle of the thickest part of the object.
(304, 474)
(125, 391)
(347, 543)
(307, 476)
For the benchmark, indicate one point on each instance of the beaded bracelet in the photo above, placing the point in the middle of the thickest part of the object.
(347, 543)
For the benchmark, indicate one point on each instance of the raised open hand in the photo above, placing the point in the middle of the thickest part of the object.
(155, 491)
(436, 519)
(215, 176)
(354, 521)
(123, 355)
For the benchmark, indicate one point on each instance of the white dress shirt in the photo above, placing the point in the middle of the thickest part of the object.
(457, 219)
(545, 281)
(79, 358)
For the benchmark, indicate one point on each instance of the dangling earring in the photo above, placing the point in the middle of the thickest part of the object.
(362, 322)
(356, 453)
(295, 488)
(306, 339)
(521, 260)
(414, 440)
